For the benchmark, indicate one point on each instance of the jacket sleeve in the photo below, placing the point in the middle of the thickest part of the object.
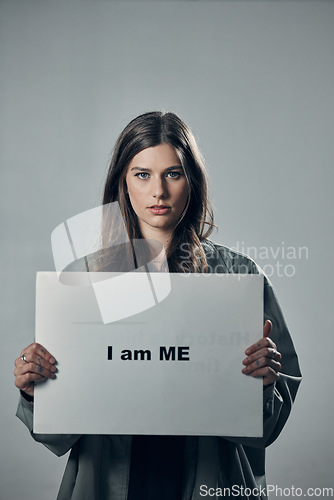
(59, 444)
(279, 397)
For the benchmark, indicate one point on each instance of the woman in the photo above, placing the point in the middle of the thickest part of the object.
(158, 177)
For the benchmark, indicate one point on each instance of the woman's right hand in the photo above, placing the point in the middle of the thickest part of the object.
(34, 363)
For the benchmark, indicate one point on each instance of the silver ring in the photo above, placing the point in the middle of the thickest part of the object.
(24, 358)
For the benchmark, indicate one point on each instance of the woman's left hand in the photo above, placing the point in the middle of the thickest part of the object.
(263, 359)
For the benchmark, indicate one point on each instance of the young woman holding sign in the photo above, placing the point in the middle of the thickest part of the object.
(158, 177)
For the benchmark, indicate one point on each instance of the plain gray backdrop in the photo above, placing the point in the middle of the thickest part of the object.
(254, 80)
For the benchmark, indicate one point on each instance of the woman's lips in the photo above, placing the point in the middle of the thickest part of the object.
(158, 209)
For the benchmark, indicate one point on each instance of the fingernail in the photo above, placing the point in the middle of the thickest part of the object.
(52, 360)
(244, 370)
(53, 375)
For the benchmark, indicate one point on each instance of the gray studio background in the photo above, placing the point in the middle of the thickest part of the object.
(255, 82)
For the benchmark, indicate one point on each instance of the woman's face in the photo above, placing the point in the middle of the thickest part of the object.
(158, 190)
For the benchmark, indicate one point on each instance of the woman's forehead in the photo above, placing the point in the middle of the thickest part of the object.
(163, 155)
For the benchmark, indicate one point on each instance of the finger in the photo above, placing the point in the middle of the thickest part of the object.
(23, 382)
(261, 363)
(262, 343)
(40, 351)
(265, 338)
(25, 368)
(31, 357)
(267, 328)
(265, 352)
(269, 375)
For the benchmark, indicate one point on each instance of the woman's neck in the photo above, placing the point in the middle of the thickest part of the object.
(163, 237)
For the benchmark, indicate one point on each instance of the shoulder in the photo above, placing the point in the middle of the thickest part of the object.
(78, 265)
(223, 259)
(89, 263)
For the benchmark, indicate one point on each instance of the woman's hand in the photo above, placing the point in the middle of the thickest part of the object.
(263, 359)
(34, 363)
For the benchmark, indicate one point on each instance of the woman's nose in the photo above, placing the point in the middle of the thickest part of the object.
(159, 188)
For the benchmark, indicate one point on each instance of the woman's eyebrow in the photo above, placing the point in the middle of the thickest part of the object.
(143, 169)
(140, 168)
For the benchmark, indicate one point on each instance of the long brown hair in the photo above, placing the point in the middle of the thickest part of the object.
(185, 252)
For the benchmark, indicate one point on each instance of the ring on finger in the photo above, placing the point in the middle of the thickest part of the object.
(24, 358)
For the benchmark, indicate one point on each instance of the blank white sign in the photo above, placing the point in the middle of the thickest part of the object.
(174, 369)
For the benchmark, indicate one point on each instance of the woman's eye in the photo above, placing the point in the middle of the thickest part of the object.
(142, 175)
(170, 175)
(174, 175)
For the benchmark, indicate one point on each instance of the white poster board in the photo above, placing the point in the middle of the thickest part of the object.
(184, 376)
